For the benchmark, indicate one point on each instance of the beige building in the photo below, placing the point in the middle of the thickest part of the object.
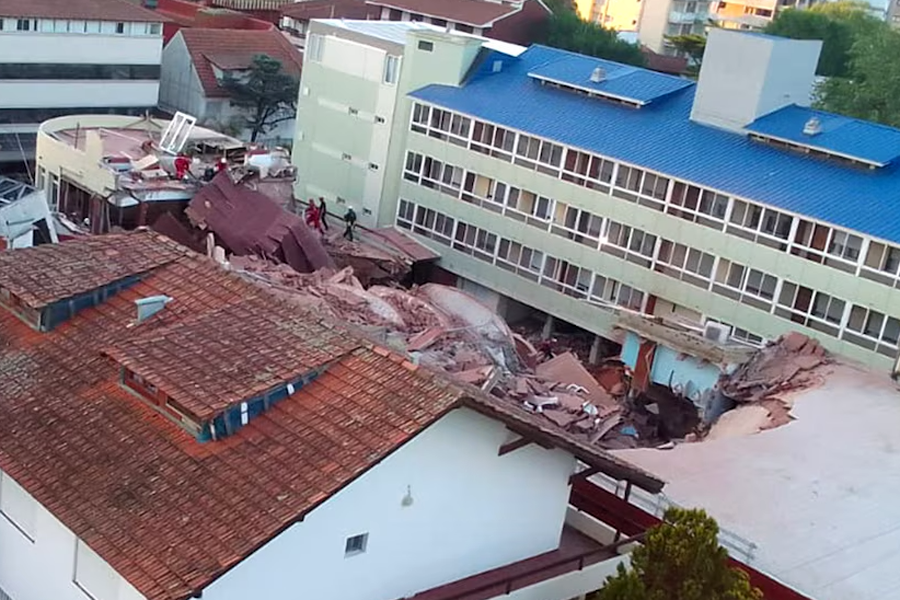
(650, 20)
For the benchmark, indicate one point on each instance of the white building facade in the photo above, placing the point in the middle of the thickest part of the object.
(61, 62)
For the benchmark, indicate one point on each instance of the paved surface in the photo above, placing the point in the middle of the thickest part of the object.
(820, 496)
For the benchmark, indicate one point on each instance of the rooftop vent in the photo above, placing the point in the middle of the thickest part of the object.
(598, 75)
(812, 127)
(147, 307)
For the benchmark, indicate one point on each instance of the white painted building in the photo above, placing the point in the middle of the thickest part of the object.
(197, 62)
(75, 56)
(362, 478)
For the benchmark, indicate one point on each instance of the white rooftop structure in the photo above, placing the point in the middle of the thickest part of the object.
(396, 32)
(818, 496)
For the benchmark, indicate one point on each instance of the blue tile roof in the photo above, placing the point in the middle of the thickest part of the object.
(660, 136)
(622, 81)
(849, 137)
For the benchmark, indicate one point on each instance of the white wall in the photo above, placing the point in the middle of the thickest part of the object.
(473, 510)
(19, 47)
(30, 93)
(179, 85)
(43, 569)
(746, 76)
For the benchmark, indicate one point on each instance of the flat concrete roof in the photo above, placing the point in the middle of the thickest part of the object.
(819, 496)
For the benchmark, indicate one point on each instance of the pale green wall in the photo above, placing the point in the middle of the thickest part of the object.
(779, 263)
(447, 64)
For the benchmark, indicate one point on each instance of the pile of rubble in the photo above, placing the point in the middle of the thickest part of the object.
(762, 387)
(446, 329)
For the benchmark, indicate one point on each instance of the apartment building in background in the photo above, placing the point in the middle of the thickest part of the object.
(650, 21)
(197, 63)
(514, 21)
(70, 57)
(584, 188)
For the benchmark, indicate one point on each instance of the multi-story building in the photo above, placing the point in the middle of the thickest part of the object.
(651, 20)
(76, 56)
(348, 101)
(515, 21)
(582, 188)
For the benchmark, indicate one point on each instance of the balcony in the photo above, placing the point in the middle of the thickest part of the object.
(581, 564)
(687, 17)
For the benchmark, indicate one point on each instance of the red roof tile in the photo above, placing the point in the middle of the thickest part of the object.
(100, 10)
(41, 276)
(477, 13)
(235, 48)
(328, 9)
(136, 487)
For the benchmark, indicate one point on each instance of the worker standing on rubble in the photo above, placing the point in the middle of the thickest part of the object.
(323, 213)
(313, 218)
(349, 223)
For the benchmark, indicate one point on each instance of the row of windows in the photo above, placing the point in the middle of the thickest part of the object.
(510, 255)
(77, 71)
(724, 277)
(39, 115)
(80, 26)
(813, 241)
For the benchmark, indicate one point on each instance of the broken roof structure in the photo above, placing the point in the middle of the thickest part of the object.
(277, 408)
(248, 222)
(24, 215)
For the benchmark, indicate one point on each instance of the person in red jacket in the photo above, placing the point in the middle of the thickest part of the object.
(313, 216)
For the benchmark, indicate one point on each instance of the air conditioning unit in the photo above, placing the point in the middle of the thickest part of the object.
(716, 332)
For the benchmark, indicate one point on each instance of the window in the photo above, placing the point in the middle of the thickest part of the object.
(420, 116)
(688, 264)
(425, 45)
(695, 204)
(805, 306)
(752, 218)
(25, 25)
(314, 47)
(623, 241)
(93, 575)
(391, 69)
(17, 506)
(155, 28)
(120, 28)
(882, 263)
(873, 330)
(750, 286)
(405, 214)
(845, 245)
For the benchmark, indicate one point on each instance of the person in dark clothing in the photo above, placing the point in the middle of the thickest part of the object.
(323, 213)
(349, 223)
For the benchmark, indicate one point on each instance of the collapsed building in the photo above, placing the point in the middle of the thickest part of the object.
(106, 172)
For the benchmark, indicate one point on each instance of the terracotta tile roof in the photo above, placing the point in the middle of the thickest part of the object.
(195, 361)
(83, 267)
(477, 13)
(235, 48)
(101, 10)
(328, 9)
(137, 488)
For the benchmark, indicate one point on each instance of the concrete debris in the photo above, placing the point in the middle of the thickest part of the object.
(776, 369)
(762, 386)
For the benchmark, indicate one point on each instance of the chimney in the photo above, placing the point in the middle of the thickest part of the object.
(747, 75)
(147, 307)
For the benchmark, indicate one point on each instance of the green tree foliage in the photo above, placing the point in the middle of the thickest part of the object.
(692, 45)
(837, 24)
(679, 560)
(265, 93)
(564, 29)
(872, 90)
